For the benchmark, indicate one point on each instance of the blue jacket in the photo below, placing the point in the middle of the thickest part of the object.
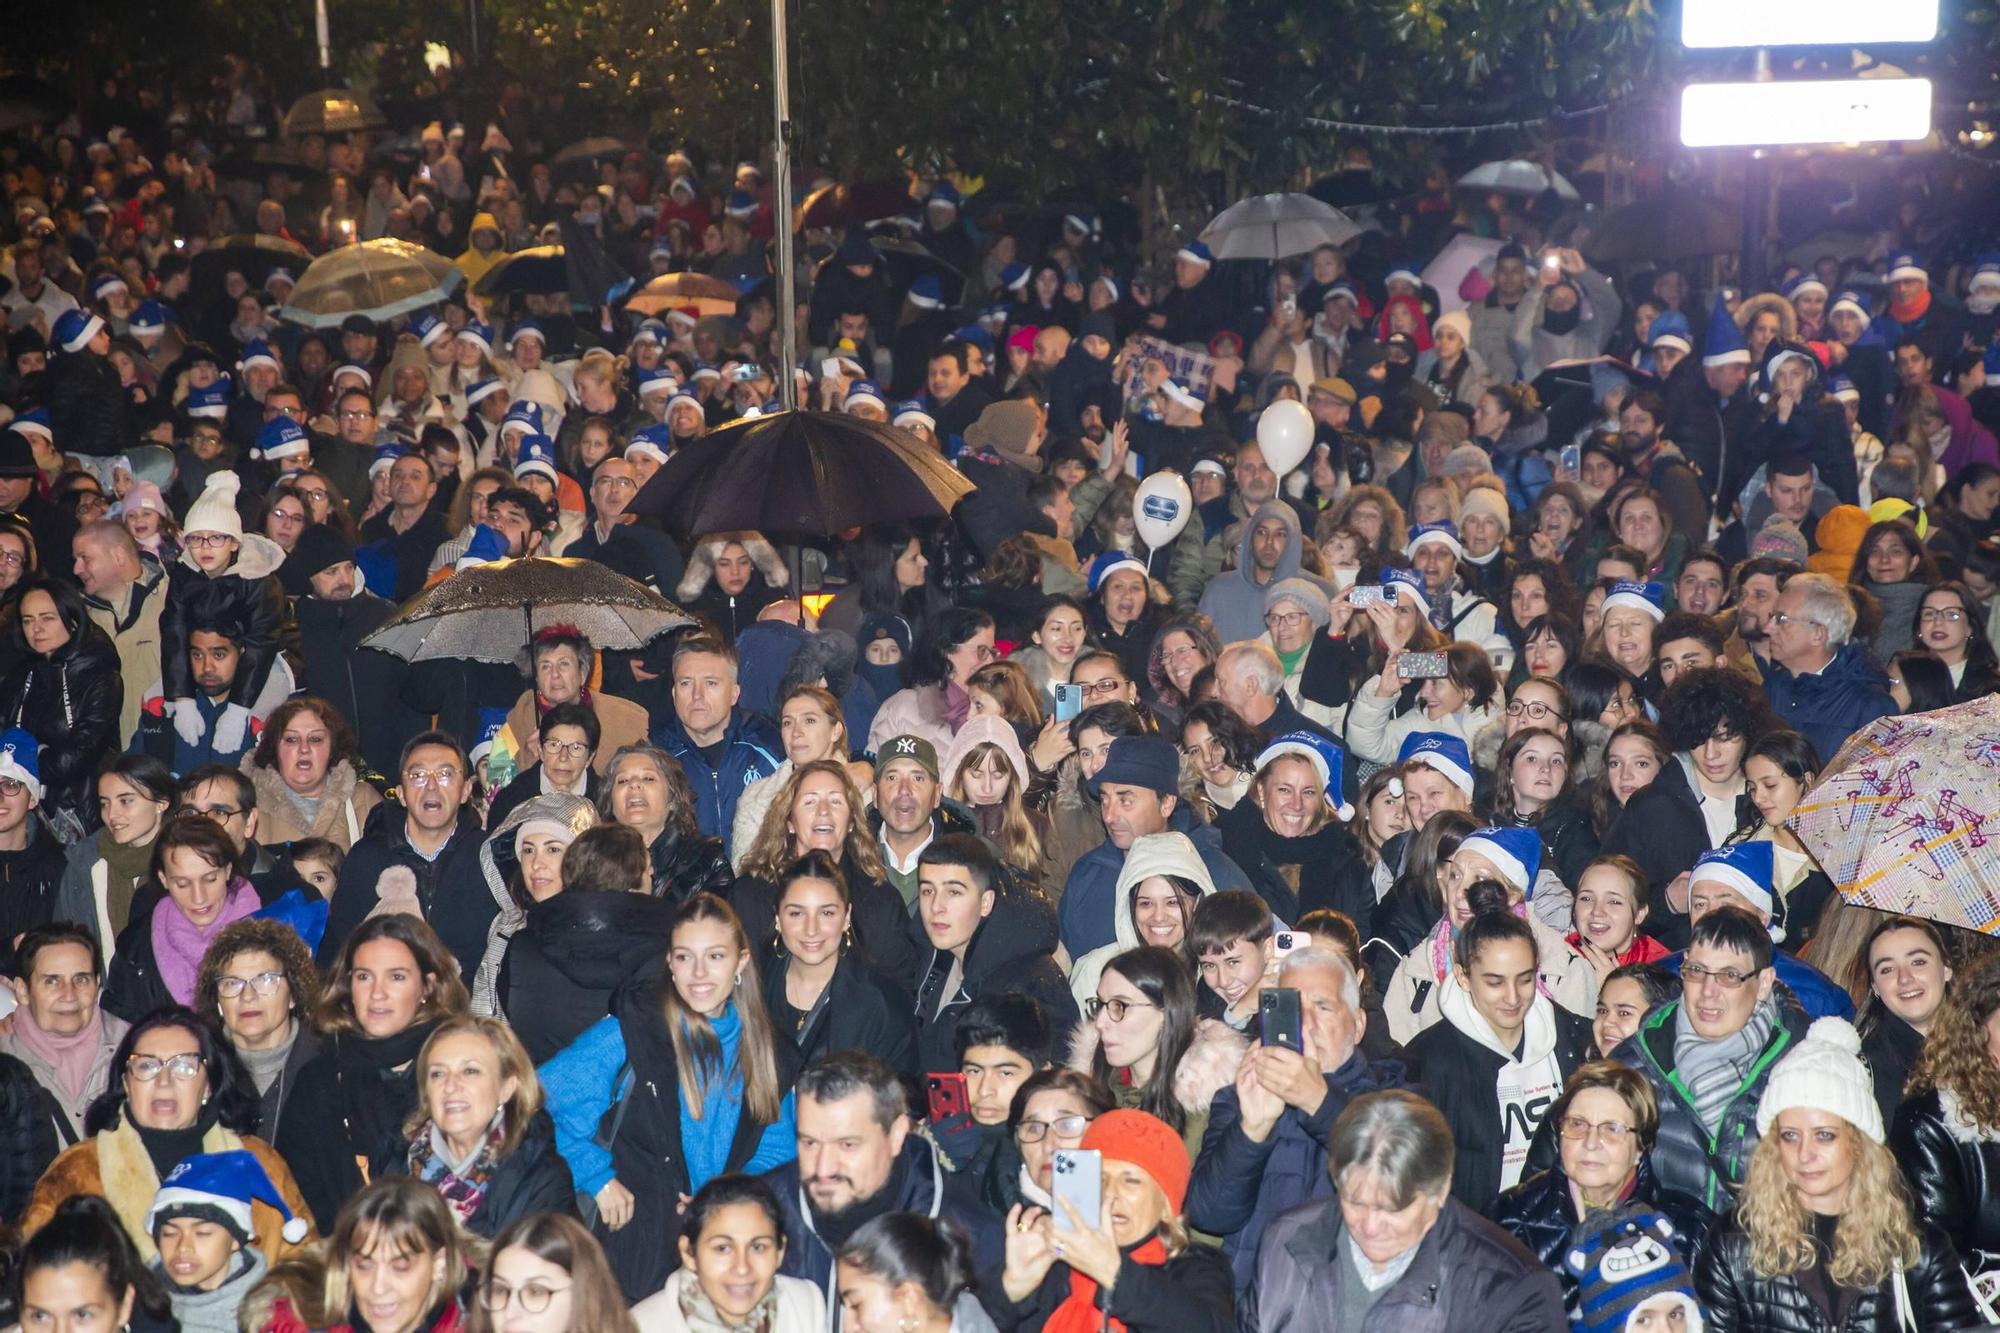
(1829, 707)
(1812, 988)
(1086, 916)
(1239, 1186)
(750, 750)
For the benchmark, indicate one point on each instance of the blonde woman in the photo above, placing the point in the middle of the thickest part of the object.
(1946, 1133)
(812, 727)
(696, 1081)
(1825, 1218)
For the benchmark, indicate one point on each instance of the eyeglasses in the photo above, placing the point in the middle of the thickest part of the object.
(1951, 615)
(1180, 654)
(293, 412)
(566, 749)
(1693, 974)
(1284, 619)
(1102, 689)
(1779, 619)
(1608, 1132)
(215, 812)
(1093, 1006)
(317, 494)
(1063, 1127)
(264, 983)
(1535, 711)
(535, 1296)
(208, 541)
(611, 483)
(146, 1068)
(353, 415)
(10, 788)
(424, 777)
(13, 560)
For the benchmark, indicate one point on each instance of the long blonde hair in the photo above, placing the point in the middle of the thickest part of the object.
(771, 851)
(1874, 1240)
(1954, 1058)
(1020, 842)
(697, 1051)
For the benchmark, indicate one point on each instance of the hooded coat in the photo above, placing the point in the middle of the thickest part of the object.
(337, 669)
(1088, 909)
(1154, 854)
(1536, 346)
(134, 628)
(343, 811)
(1234, 599)
(245, 601)
(1953, 1165)
(1013, 949)
(498, 863)
(729, 613)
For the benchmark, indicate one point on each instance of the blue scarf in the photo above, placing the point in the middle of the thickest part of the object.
(706, 1140)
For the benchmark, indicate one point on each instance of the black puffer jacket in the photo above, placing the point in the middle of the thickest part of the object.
(1954, 1174)
(572, 955)
(1013, 950)
(1737, 1300)
(861, 1011)
(1327, 866)
(245, 602)
(70, 702)
(1890, 1047)
(883, 931)
(88, 408)
(1568, 840)
(1541, 1213)
(686, 864)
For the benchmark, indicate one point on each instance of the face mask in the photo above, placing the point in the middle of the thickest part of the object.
(1982, 303)
(1562, 322)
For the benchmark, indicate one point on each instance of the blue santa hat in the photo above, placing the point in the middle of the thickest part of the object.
(1903, 264)
(1624, 1263)
(525, 413)
(1648, 597)
(257, 352)
(527, 328)
(151, 317)
(211, 401)
(480, 390)
(927, 293)
(479, 332)
(658, 380)
(75, 328)
(977, 336)
(220, 1187)
(1747, 867)
(1441, 533)
(1196, 252)
(1109, 563)
(429, 328)
(34, 423)
(945, 195)
(1724, 345)
(1441, 750)
(742, 205)
(1849, 299)
(1670, 329)
(1082, 221)
(1014, 277)
(386, 456)
(486, 545)
(912, 412)
(1329, 761)
(536, 456)
(1985, 273)
(1398, 582)
(864, 391)
(1802, 284)
(280, 437)
(652, 331)
(21, 760)
(1183, 393)
(1404, 272)
(1842, 388)
(653, 441)
(1515, 852)
(104, 284)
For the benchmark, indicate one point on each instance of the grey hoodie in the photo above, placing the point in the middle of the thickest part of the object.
(1234, 599)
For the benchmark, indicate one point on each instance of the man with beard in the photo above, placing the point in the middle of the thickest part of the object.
(1493, 318)
(1758, 583)
(1788, 485)
(1665, 468)
(858, 1160)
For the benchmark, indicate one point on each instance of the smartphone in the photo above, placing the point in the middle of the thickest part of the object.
(1366, 595)
(1279, 1020)
(1553, 263)
(829, 369)
(1069, 700)
(1077, 1175)
(948, 1098)
(744, 374)
(1570, 461)
(1289, 941)
(1422, 666)
(1290, 305)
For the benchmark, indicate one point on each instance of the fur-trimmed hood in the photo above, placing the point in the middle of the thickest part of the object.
(258, 558)
(1589, 737)
(497, 862)
(701, 562)
(1209, 1065)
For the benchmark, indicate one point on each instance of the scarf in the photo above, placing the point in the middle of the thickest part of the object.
(198, 1311)
(1079, 1313)
(543, 704)
(374, 1095)
(1713, 1072)
(167, 1148)
(124, 867)
(1444, 936)
(708, 1130)
(1562, 323)
(957, 704)
(264, 1066)
(178, 943)
(699, 1315)
(462, 1183)
(70, 1059)
(1909, 312)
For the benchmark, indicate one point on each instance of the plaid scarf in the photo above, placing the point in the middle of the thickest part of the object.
(1713, 1072)
(463, 1186)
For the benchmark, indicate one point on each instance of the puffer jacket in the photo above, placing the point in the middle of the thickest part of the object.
(88, 408)
(245, 601)
(70, 701)
(1012, 950)
(1540, 1212)
(574, 953)
(1686, 1158)
(1953, 1166)
(1737, 1299)
(685, 864)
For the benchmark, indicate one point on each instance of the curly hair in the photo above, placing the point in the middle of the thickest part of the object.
(1876, 1237)
(673, 779)
(1395, 526)
(258, 935)
(771, 851)
(1558, 589)
(1705, 700)
(1955, 1058)
(339, 735)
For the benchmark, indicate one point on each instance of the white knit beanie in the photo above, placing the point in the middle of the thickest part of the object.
(214, 510)
(1824, 1072)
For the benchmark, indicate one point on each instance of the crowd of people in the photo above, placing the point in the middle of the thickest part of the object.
(1365, 895)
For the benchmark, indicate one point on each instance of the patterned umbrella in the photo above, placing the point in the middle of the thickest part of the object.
(489, 612)
(1898, 819)
(381, 278)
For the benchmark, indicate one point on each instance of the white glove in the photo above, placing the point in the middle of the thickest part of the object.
(187, 719)
(231, 728)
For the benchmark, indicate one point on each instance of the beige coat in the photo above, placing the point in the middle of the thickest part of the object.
(621, 721)
(133, 622)
(342, 815)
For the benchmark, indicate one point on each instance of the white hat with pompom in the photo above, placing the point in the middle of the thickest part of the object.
(1824, 1072)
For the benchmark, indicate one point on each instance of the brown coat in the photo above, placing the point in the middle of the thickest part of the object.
(621, 721)
(115, 1165)
(342, 814)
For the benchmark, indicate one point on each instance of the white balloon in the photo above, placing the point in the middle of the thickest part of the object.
(1285, 433)
(1161, 507)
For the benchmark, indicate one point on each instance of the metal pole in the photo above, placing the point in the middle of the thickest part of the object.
(325, 41)
(781, 206)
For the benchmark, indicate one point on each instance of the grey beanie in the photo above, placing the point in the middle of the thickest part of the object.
(1308, 596)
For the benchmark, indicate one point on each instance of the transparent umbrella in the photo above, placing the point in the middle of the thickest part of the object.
(382, 278)
(1517, 175)
(489, 612)
(334, 111)
(1276, 226)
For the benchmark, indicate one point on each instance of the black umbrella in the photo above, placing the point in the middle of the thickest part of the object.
(801, 474)
(252, 255)
(1679, 224)
(539, 270)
